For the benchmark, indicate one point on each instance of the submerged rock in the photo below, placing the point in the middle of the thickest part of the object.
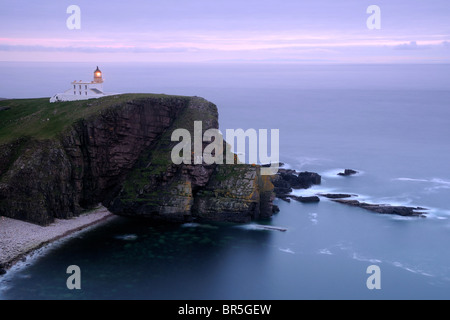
(386, 209)
(337, 195)
(311, 199)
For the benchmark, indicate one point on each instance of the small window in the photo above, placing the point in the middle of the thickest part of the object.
(85, 87)
(74, 93)
(80, 93)
(74, 87)
(80, 86)
(86, 92)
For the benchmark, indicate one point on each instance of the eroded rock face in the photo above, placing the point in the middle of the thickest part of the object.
(104, 149)
(158, 189)
(37, 187)
(121, 158)
(235, 193)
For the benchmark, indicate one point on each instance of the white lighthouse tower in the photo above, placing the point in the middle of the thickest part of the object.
(83, 90)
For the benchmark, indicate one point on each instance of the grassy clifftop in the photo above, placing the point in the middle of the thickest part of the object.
(40, 119)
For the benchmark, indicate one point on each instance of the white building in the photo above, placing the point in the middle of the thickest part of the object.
(83, 90)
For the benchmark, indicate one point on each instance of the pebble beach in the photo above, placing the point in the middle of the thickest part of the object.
(18, 238)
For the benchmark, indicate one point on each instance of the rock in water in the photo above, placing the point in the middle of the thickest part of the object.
(282, 187)
(311, 199)
(347, 172)
(308, 179)
(288, 179)
(386, 209)
(337, 195)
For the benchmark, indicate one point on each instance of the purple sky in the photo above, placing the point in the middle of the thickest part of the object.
(307, 31)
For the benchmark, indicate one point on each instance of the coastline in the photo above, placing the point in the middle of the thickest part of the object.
(19, 238)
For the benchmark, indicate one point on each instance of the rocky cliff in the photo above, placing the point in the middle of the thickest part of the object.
(116, 151)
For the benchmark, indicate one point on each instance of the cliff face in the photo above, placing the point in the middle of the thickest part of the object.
(121, 158)
(103, 149)
(37, 185)
(159, 189)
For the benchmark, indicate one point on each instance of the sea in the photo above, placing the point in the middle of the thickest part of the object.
(389, 122)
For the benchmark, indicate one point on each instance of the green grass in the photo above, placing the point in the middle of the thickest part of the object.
(40, 119)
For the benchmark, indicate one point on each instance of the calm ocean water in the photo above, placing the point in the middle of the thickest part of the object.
(389, 122)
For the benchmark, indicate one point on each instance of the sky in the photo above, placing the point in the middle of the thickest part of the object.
(303, 31)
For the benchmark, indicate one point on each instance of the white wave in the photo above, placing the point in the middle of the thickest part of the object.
(435, 213)
(31, 258)
(332, 173)
(313, 218)
(325, 251)
(260, 227)
(304, 161)
(251, 226)
(358, 257)
(190, 225)
(287, 250)
(287, 166)
(439, 183)
(127, 237)
(3, 288)
(401, 218)
(411, 179)
(25, 263)
(436, 188)
(198, 225)
(344, 245)
(396, 201)
(410, 269)
(314, 190)
(348, 248)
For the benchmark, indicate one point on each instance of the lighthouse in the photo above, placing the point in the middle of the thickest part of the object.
(98, 77)
(83, 90)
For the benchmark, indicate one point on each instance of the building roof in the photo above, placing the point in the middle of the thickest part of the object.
(96, 91)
